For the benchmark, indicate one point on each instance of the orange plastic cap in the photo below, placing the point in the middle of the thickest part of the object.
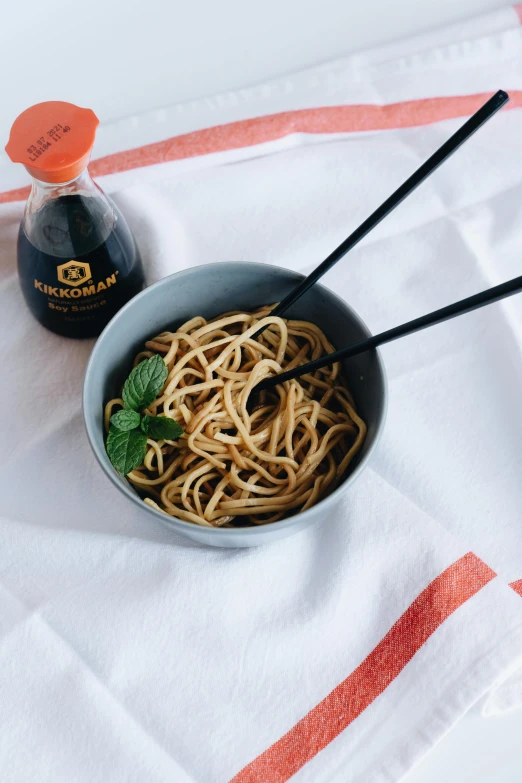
(53, 140)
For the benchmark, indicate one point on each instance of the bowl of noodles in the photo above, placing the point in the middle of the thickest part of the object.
(249, 467)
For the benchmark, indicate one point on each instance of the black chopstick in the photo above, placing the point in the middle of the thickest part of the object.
(485, 113)
(436, 317)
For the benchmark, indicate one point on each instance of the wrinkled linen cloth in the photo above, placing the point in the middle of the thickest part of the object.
(343, 653)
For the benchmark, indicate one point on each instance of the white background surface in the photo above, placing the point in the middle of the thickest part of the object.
(121, 58)
(124, 57)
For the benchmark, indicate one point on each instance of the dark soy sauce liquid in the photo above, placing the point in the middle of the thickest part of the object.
(80, 265)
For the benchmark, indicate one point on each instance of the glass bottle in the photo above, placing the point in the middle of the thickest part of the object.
(78, 262)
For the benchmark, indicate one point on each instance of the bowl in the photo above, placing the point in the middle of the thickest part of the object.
(210, 290)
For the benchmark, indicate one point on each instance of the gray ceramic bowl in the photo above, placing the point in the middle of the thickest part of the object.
(210, 290)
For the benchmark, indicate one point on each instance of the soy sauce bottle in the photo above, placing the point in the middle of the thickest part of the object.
(78, 262)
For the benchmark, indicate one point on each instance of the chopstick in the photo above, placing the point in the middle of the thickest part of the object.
(454, 310)
(472, 125)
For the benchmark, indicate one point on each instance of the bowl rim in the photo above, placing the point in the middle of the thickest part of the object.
(180, 524)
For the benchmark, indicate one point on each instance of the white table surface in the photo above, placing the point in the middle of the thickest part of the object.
(125, 57)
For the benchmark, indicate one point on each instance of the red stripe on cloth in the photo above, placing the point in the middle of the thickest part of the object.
(331, 716)
(518, 10)
(20, 194)
(247, 133)
(517, 586)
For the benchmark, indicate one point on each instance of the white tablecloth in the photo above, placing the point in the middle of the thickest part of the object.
(344, 653)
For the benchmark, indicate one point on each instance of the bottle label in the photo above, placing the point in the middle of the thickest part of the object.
(77, 284)
(73, 272)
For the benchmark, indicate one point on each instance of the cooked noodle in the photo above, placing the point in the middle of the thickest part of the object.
(236, 466)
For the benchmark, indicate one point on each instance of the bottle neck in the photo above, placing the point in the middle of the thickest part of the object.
(41, 192)
(68, 218)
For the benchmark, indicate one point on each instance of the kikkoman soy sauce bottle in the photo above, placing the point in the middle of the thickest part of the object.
(77, 259)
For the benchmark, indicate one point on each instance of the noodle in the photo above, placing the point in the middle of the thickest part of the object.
(234, 466)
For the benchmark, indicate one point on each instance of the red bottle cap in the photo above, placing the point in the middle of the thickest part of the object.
(53, 140)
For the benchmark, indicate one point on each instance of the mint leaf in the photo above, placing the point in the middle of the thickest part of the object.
(125, 420)
(144, 383)
(161, 428)
(126, 450)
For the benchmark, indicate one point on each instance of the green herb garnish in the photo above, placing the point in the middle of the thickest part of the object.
(126, 420)
(144, 383)
(161, 428)
(127, 438)
(126, 450)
